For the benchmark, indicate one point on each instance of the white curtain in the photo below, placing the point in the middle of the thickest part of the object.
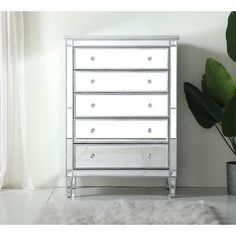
(13, 157)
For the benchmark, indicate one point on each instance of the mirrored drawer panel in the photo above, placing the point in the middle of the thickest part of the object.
(121, 105)
(121, 58)
(121, 81)
(121, 129)
(121, 156)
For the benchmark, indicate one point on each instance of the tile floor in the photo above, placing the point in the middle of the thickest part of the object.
(19, 206)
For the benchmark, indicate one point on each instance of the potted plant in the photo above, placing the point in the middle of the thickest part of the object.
(215, 105)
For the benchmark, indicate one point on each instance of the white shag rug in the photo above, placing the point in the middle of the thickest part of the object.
(127, 212)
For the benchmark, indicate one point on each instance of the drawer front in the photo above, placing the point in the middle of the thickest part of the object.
(121, 156)
(117, 58)
(121, 129)
(121, 81)
(121, 105)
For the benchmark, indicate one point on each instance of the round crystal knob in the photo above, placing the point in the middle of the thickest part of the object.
(92, 130)
(149, 81)
(149, 155)
(149, 130)
(92, 58)
(93, 105)
(149, 58)
(92, 81)
(92, 155)
(149, 105)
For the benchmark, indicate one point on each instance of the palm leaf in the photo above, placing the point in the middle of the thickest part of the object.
(229, 120)
(217, 82)
(205, 110)
(231, 36)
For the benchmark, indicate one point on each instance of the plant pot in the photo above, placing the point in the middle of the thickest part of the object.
(231, 177)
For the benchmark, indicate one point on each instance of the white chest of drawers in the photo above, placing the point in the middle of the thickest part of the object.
(121, 108)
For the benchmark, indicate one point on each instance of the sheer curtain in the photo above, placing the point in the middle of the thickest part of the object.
(13, 157)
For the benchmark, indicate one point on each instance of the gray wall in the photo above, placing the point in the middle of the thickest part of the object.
(201, 153)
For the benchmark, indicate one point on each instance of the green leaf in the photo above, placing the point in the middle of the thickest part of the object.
(217, 82)
(204, 84)
(231, 36)
(205, 110)
(229, 120)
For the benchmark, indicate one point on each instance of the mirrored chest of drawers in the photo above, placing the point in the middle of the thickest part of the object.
(121, 108)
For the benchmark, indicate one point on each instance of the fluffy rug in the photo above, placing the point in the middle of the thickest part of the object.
(127, 212)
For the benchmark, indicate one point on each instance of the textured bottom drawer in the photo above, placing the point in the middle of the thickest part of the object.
(121, 156)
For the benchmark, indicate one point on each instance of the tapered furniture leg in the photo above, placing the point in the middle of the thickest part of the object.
(73, 187)
(74, 183)
(172, 186)
(69, 187)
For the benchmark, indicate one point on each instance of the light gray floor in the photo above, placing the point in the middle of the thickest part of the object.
(19, 206)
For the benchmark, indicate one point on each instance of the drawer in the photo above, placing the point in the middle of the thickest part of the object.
(121, 81)
(121, 156)
(121, 129)
(121, 105)
(118, 58)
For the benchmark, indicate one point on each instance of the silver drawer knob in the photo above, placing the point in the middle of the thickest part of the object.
(149, 130)
(149, 58)
(92, 155)
(92, 58)
(149, 81)
(149, 105)
(93, 105)
(92, 81)
(92, 130)
(149, 155)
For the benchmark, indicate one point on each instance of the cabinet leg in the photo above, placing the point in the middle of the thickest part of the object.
(172, 186)
(74, 183)
(73, 188)
(69, 187)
